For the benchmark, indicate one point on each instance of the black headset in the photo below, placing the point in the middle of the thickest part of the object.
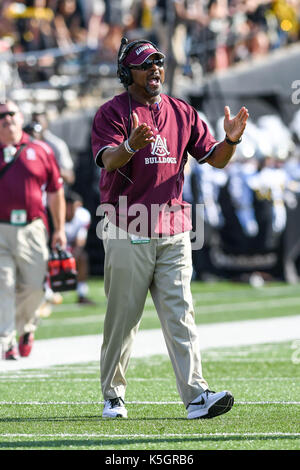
(123, 71)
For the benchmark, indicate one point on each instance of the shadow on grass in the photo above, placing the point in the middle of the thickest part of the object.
(108, 443)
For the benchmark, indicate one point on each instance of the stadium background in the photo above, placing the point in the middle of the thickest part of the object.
(60, 55)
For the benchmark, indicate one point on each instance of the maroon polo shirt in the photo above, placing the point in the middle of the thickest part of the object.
(154, 176)
(23, 185)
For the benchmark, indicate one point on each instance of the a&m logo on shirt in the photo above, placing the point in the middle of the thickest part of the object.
(160, 149)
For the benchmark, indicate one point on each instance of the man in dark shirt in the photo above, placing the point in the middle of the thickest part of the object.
(142, 139)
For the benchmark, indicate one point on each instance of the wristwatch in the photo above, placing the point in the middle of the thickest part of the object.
(230, 142)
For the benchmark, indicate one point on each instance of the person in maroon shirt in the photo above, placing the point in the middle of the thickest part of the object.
(142, 139)
(28, 172)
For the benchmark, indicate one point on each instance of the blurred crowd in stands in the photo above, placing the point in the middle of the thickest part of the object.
(213, 33)
(250, 208)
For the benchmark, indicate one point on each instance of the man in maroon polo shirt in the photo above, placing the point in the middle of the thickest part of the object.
(28, 172)
(141, 139)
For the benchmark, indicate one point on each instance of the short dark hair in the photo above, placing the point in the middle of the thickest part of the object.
(72, 196)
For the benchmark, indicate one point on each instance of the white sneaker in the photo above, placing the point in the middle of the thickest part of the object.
(210, 404)
(114, 408)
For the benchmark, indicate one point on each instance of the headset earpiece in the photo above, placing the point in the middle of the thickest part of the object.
(124, 75)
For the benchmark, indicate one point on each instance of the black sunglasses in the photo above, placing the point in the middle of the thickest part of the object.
(148, 63)
(7, 113)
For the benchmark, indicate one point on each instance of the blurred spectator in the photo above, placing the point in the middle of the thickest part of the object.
(69, 23)
(109, 22)
(34, 27)
(189, 16)
(118, 18)
(7, 25)
(288, 16)
(259, 40)
(58, 145)
(97, 29)
(219, 30)
(78, 220)
(34, 23)
(9, 77)
(146, 20)
(212, 38)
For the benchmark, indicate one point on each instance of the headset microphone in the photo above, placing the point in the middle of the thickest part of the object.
(124, 42)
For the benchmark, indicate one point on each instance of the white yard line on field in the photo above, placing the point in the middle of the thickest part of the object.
(154, 436)
(179, 403)
(82, 349)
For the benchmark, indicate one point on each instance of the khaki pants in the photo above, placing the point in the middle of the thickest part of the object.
(164, 267)
(23, 263)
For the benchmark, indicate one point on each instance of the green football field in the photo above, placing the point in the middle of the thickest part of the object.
(60, 407)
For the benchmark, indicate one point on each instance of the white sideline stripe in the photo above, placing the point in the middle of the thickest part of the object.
(263, 291)
(249, 305)
(140, 403)
(47, 378)
(82, 349)
(200, 309)
(73, 321)
(217, 434)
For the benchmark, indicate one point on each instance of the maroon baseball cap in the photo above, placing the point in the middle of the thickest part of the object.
(140, 53)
